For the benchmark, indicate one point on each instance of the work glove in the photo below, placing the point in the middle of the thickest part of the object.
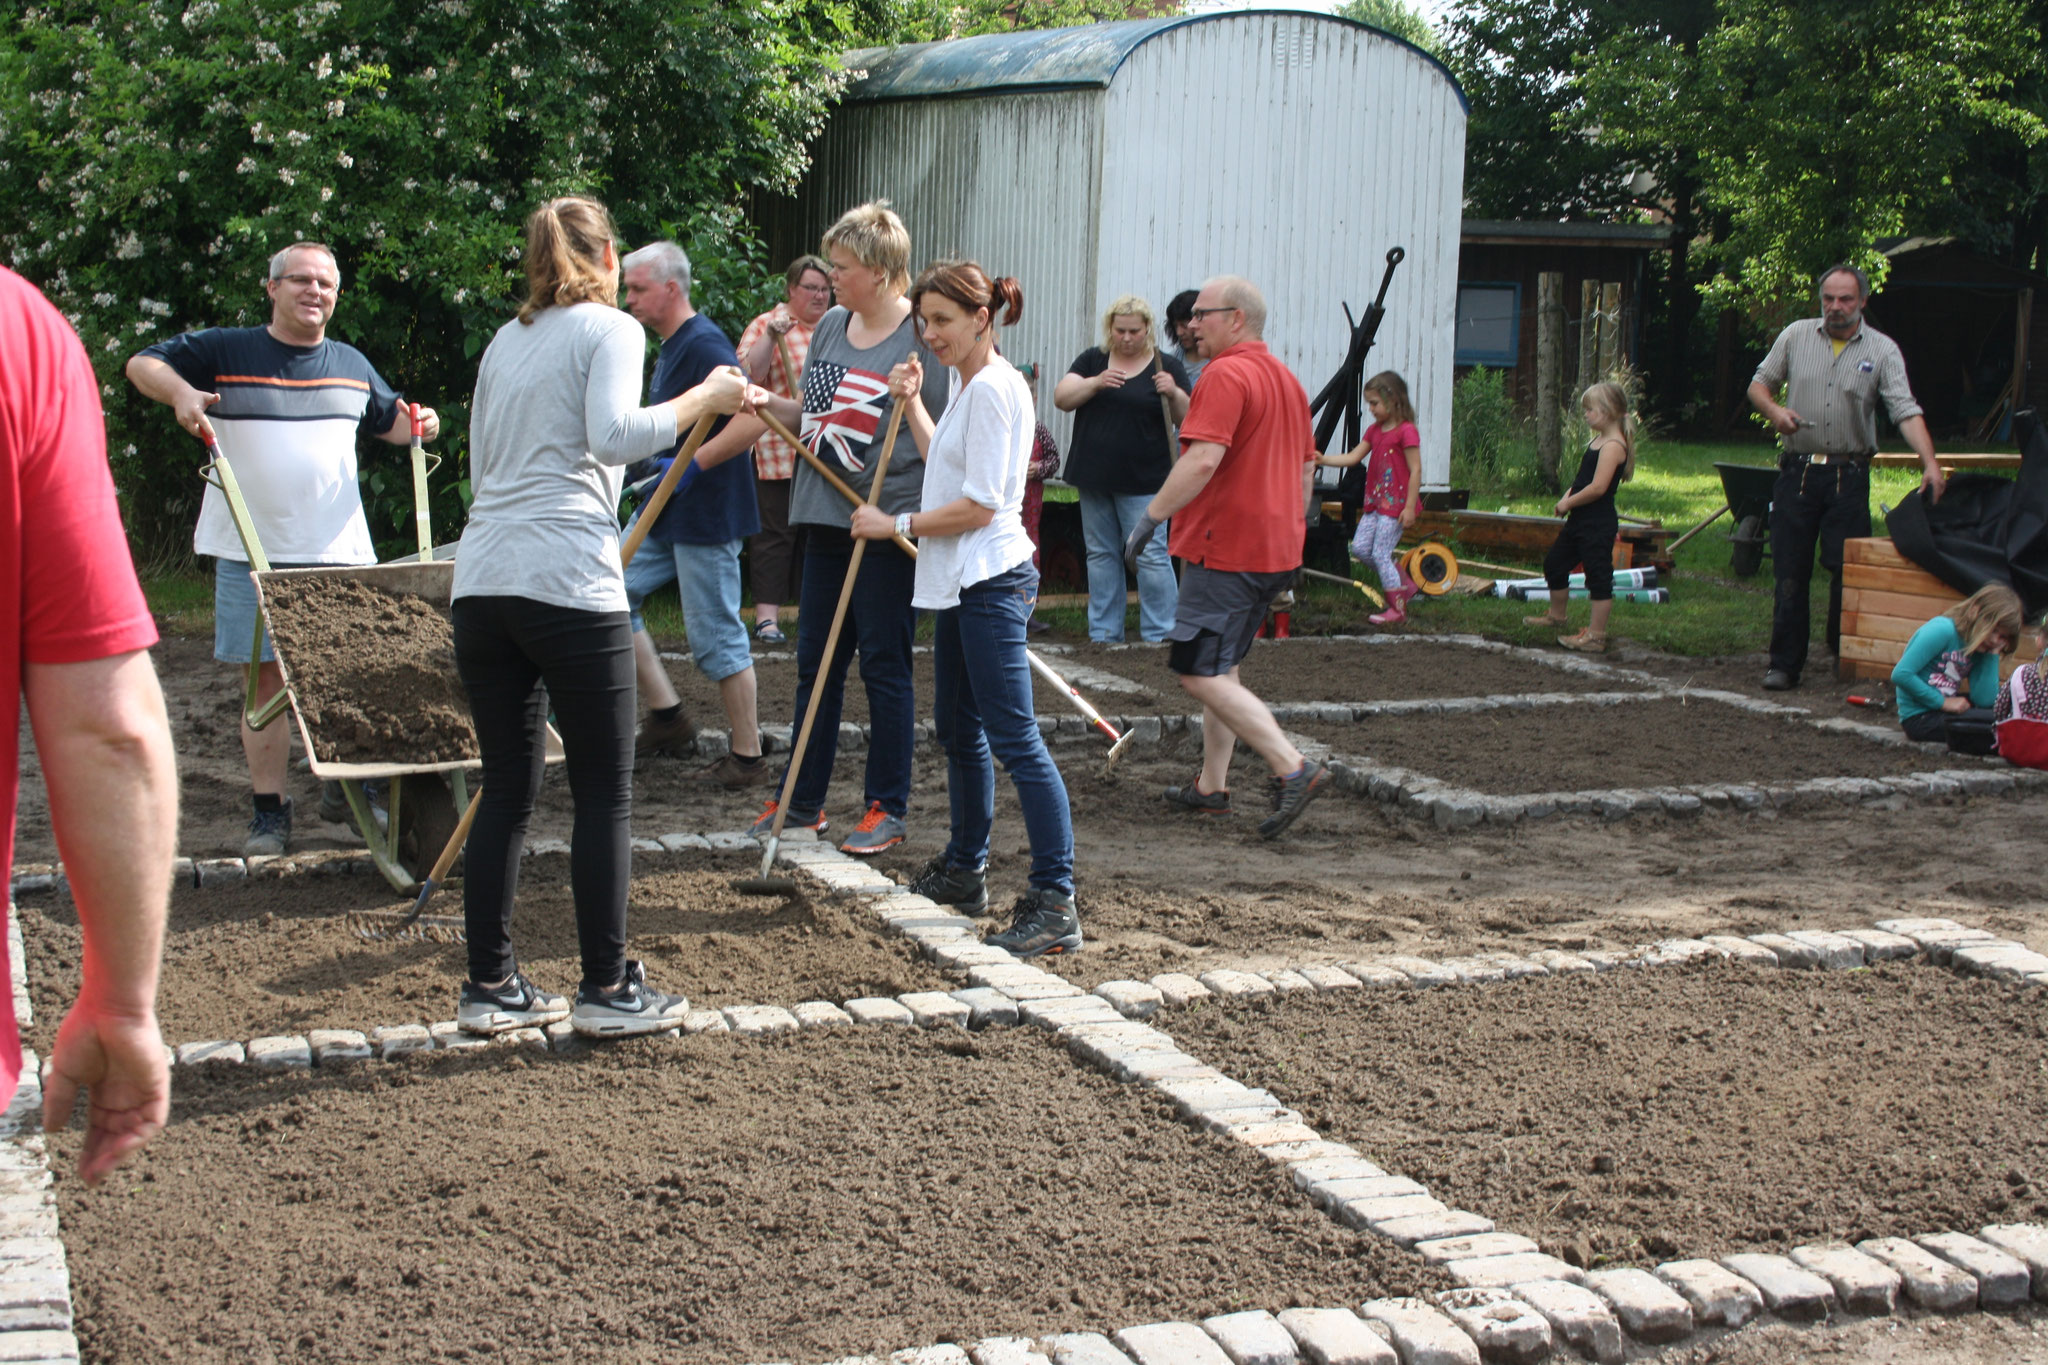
(1141, 536)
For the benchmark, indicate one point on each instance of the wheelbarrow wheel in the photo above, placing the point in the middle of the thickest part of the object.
(1747, 554)
(426, 821)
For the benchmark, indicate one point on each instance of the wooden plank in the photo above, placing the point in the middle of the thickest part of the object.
(1877, 550)
(1886, 652)
(1861, 670)
(1875, 627)
(1906, 459)
(1918, 582)
(1895, 603)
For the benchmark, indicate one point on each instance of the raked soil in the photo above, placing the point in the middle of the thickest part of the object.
(1637, 1116)
(708, 1199)
(278, 955)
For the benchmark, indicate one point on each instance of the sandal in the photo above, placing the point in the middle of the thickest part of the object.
(1585, 642)
(1545, 619)
(768, 633)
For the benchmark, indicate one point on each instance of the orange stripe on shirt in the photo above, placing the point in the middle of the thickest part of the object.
(336, 382)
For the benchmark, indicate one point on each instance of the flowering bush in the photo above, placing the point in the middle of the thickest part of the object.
(154, 154)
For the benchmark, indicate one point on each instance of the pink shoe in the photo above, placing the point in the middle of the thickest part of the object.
(1392, 616)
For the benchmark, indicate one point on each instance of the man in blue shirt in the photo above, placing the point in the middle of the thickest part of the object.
(696, 541)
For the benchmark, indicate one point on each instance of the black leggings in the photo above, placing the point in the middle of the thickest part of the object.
(1586, 541)
(515, 654)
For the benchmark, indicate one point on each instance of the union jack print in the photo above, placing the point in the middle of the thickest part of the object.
(842, 408)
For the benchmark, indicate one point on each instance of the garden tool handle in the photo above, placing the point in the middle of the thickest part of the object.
(652, 511)
(422, 522)
(825, 472)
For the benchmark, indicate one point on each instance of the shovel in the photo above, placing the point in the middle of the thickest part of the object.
(763, 884)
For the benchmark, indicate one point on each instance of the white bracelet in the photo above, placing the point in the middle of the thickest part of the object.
(903, 524)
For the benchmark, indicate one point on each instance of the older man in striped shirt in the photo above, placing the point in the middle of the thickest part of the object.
(1834, 372)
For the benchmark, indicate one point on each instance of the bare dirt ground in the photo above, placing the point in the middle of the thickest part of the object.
(1979, 1339)
(1714, 1108)
(277, 955)
(703, 1200)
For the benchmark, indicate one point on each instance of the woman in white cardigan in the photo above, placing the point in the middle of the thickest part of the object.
(974, 571)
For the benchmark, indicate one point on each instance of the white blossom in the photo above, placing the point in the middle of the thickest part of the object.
(104, 300)
(344, 160)
(297, 138)
(326, 193)
(245, 165)
(335, 108)
(128, 247)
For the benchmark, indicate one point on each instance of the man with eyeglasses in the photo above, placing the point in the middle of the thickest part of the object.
(286, 404)
(782, 333)
(1236, 498)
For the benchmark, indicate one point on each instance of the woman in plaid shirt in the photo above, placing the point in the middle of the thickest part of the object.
(785, 329)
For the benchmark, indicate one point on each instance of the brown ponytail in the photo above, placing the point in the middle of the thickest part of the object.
(967, 284)
(565, 244)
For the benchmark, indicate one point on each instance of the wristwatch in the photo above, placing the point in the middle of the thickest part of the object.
(903, 524)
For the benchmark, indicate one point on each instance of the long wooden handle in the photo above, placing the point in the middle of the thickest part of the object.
(788, 369)
(825, 472)
(803, 737)
(458, 839)
(652, 511)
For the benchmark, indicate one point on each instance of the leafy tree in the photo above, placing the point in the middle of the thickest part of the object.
(156, 152)
(1820, 125)
(1398, 18)
(924, 21)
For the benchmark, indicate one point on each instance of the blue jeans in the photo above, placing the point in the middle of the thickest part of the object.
(879, 624)
(1106, 522)
(981, 704)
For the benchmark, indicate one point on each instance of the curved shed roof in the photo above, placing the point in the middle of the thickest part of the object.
(1041, 59)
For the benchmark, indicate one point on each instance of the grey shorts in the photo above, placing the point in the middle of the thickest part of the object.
(1218, 617)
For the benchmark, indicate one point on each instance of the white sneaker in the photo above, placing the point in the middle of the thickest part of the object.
(632, 1009)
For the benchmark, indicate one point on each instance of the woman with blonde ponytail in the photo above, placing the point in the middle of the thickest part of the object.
(540, 613)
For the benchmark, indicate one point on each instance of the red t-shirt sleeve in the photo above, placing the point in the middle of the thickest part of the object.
(1216, 406)
(1406, 437)
(79, 595)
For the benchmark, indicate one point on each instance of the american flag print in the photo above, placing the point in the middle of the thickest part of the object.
(842, 408)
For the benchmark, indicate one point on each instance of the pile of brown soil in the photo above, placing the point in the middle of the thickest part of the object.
(1652, 743)
(701, 1200)
(374, 671)
(277, 956)
(1688, 1111)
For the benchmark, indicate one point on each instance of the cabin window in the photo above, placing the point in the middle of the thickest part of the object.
(1489, 324)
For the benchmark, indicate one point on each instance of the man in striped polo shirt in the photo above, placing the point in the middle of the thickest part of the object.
(286, 403)
(1834, 371)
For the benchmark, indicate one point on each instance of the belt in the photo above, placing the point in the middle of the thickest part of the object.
(1862, 457)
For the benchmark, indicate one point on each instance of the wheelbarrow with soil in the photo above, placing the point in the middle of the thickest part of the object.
(367, 661)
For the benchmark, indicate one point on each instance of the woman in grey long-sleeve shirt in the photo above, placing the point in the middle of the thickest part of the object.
(540, 614)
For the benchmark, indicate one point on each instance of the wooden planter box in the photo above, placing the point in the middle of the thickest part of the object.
(1885, 598)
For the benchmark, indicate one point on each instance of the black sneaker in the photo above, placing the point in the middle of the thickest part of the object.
(632, 1009)
(1291, 796)
(963, 888)
(1041, 922)
(516, 1004)
(270, 828)
(1192, 797)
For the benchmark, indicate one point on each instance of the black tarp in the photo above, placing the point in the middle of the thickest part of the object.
(1986, 529)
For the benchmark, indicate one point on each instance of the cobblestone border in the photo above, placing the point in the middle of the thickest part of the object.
(1517, 1303)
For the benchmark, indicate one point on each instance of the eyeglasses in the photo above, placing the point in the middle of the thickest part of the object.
(312, 282)
(814, 288)
(1197, 314)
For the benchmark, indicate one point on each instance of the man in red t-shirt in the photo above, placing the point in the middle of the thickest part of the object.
(1238, 499)
(74, 636)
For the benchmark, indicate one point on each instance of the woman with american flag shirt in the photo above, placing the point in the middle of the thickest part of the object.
(844, 413)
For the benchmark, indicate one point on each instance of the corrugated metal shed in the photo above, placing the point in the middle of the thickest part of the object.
(1145, 156)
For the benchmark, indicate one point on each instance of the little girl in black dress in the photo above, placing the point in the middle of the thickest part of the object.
(1591, 522)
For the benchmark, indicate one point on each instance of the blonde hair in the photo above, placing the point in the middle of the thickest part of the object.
(565, 245)
(1126, 305)
(1612, 399)
(877, 239)
(1992, 607)
(1393, 391)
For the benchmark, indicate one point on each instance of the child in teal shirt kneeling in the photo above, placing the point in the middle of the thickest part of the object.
(1947, 679)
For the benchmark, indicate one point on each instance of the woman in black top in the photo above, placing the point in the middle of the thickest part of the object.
(1121, 394)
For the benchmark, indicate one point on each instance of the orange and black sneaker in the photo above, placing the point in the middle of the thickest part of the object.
(811, 820)
(876, 831)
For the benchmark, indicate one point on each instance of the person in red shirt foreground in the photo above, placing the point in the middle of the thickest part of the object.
(1238, 498)
(74, 639)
